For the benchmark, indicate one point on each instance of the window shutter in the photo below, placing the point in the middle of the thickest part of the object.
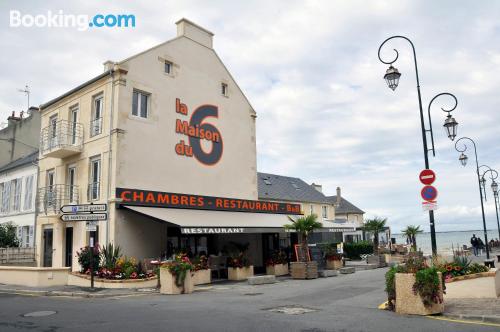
(20, 233)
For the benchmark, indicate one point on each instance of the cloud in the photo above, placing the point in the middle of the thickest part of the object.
(311, 71)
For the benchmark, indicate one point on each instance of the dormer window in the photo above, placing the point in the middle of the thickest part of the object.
(224, 89)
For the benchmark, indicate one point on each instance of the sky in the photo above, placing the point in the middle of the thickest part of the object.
(310, 69)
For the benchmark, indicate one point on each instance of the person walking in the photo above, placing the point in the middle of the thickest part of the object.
(474, 243)
(480, 245)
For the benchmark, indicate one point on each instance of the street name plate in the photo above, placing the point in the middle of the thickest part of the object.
(83, 208)
(91, 226)
(84, 217)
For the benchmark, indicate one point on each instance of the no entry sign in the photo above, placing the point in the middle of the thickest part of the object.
(427, 176)
(429, 193)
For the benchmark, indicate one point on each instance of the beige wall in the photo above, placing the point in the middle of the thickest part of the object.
(33, 277)
(146, 151)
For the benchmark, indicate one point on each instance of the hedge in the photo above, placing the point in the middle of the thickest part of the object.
(355, 249)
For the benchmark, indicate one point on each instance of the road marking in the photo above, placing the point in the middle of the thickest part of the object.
(473, 322)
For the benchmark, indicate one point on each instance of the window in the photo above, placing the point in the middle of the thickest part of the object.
(73, 119)
(140, 104)
(95, 175)
(28, 193)
(168, 67)
(224, 89)
(53, 131)
(51, 188)
(71, 184)
(5, 197)
(96, 123)
(16, 188)
(324, 210)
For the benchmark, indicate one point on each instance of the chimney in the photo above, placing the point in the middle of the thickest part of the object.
(339, 197)
(108, 65)
(193, 31)
(318, 187)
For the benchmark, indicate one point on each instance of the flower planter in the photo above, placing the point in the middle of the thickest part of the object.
(277, 270)
(168, 285)
(202, 277)
(239, 273)
(304, 270)
(407, 302)
(333, 264)
(377, 259)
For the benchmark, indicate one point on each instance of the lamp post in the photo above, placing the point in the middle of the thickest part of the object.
(463, 160)
(392, 76)
(494, 188)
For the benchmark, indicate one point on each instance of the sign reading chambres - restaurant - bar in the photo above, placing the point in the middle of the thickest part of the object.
(187, 201)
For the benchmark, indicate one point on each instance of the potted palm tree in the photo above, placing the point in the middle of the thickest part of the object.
(375, 226)
(304, 268)
(411, 235)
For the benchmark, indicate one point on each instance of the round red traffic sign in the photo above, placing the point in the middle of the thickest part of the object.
(427, 176)
(429, 193)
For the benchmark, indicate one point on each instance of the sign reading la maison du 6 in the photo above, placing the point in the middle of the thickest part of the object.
(197, 131)
(186, 201)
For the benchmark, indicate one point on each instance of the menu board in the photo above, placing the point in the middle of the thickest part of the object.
(302, 254)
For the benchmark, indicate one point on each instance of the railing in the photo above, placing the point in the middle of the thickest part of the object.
(51, 198)
(61, 135)
(95, 127)
(17, 256)
(93, 191)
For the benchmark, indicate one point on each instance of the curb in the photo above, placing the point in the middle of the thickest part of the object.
(476, 318)
(65, 294)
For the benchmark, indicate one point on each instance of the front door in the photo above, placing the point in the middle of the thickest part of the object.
(47, 247)
(69, 247)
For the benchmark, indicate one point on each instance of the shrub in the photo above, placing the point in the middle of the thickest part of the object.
(110, 255)
(427, 286)
(84, 258)
(180, 267)
(200, 263)
(8, 237)
(477, 268)
(355, 249)
(278, 257)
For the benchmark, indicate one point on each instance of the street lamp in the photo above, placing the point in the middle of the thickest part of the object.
(392, 76)
(494, 188)
(463, 159)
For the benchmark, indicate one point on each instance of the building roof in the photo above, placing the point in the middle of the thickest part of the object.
(345, 206)
(29, 159)
(285, 188)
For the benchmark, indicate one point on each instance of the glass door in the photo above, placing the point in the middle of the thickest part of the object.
(74, 120)
(47, 247)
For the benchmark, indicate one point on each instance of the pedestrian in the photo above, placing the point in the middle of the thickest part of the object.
(480, 245)
(474, 243)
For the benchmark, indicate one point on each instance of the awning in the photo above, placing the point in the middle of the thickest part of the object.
(223, 222)
(216, 222)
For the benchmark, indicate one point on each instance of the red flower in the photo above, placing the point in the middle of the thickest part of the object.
(449, 268)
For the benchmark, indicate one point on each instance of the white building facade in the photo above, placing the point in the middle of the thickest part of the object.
(18, 180)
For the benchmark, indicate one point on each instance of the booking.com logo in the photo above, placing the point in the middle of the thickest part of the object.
(80, 22)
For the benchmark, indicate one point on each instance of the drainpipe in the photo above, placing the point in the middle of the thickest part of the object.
(36, 211)
(110, 148)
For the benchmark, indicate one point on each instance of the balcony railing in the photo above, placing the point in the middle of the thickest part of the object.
(95, 127)
(51, 198)
(62, 139)
(93, 191)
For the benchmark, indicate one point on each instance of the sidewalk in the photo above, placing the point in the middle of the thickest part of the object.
(484, 310)
(74, 291)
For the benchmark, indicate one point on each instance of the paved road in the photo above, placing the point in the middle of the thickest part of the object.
(344, 303)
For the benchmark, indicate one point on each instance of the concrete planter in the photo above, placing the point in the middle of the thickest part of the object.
(333, 265)
(304, 270)
(277, 270)
(202, 277)
(239, 273)
(168, 285)
(410, 303)
(379, 260)
(83, 280)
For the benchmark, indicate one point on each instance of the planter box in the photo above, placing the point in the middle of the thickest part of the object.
(239, 273)
(333, 265)
(379, 260)
(277, 270)
(304, 270)
(202, 277)
(168, 285)
(408, 302)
